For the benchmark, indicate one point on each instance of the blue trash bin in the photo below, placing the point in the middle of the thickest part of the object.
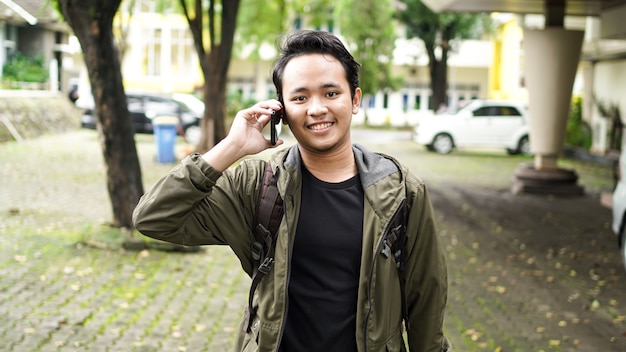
(165, 133)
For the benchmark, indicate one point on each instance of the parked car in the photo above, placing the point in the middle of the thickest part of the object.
(619, 208)
(144, 107)
(479, 123)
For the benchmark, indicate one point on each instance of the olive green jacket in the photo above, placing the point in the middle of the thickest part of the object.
(197, 205)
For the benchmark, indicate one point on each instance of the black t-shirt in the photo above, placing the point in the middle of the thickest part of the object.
(325, 265)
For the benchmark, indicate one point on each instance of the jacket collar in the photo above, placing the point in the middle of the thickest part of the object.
(372, 166)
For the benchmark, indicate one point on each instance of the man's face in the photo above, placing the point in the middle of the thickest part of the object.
(317, 102)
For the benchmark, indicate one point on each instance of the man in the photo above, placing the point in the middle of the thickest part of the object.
(331, 287)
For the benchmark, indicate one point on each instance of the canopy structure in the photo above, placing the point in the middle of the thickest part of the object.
(552, 56)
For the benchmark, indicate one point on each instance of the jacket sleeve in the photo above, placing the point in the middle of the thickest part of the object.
(426, 274)
(195, 204)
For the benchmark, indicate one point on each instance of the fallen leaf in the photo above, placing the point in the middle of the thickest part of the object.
(594, 305)
(554, 343)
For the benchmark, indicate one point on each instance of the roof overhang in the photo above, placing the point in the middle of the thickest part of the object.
(610, 12)
(14, 7)
(572, 7)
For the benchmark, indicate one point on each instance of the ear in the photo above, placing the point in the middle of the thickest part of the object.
(356, 100)
(284, 110)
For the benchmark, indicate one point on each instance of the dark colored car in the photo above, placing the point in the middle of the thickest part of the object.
(144, 107)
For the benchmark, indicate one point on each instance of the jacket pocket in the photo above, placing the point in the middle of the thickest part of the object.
(251, 340)
(395, 343)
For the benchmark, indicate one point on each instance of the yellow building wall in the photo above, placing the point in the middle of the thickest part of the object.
(135, 69)
(507, 76)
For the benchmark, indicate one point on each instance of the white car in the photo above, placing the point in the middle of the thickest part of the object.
(619, 208)
(480, 123)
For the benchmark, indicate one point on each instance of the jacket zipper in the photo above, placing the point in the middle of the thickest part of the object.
(369, 279)
(286, 288)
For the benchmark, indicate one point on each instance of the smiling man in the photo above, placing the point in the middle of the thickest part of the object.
(332, 284)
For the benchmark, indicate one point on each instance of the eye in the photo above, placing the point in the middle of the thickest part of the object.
(332, 94)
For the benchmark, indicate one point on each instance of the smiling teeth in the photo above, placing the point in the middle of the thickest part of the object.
(321, 126)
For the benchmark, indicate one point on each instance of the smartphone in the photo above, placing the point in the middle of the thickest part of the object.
(275, 120)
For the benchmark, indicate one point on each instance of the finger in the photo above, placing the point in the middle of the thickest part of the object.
(278, 142)
(268, 106)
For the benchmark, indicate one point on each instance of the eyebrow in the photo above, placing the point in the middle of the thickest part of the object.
(323, 86)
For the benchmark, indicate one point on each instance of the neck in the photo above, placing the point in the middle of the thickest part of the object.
(335, 166)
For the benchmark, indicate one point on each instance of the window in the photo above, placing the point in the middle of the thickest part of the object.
(182, 52)
(485, 111)
(497, 111)
(508, 111)
(145, 6)
(152, 51)
(159, 106)
(134, 104)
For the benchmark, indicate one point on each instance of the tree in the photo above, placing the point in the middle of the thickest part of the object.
(122, 27)
(438, 31)
(262, 20)
(214, 55)
(369, 29)
(92, 23)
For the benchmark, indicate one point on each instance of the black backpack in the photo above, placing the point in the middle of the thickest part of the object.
(268, 214)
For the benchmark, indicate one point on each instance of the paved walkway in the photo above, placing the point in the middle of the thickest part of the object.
(526, 273)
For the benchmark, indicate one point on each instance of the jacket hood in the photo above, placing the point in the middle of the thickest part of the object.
(372, 166)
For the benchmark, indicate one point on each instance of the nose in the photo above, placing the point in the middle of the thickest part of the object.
(317, 106)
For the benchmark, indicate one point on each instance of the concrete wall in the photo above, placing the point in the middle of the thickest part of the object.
(608, 87)
(29, 114)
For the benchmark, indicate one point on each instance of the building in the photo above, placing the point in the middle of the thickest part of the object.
(601, 60)
(33, 28)
(159, 56)
(552, 55)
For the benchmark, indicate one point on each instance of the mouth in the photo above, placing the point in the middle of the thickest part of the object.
(320, 126)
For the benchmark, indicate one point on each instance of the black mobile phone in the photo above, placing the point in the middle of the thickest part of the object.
(275, 120)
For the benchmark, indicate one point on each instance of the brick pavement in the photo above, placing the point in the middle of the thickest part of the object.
(59, 295)
(507, 292)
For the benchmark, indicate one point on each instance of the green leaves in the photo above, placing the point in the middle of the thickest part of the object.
(22, 68)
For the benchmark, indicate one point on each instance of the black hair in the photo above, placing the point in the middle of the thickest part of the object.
(315, 42)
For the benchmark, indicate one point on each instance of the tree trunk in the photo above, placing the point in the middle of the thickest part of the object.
(92, 23)
(438, 69)
(214, 66)
(213, 123)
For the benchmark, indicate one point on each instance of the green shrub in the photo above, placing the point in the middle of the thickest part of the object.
(21, 68)
(235, 102)
(578, 132)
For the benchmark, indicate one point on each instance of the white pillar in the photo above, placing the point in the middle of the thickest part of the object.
(552, 55)
(53, 69)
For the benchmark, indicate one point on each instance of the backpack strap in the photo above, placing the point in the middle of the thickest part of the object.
(268, 214)
(393, 244)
